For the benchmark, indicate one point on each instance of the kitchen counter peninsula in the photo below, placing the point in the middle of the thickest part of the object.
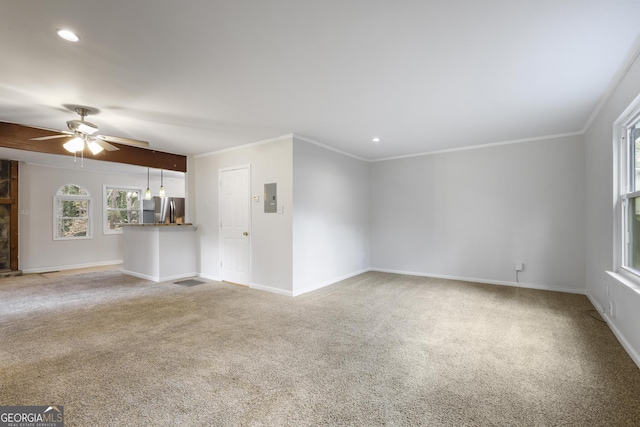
(159, 252)
(160, 224)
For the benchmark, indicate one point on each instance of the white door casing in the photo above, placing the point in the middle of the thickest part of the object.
(235, 225)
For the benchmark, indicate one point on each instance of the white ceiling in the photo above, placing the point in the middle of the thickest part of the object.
(197, 76)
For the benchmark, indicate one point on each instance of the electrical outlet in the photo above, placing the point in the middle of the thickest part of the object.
(612, 309)
(518, 266)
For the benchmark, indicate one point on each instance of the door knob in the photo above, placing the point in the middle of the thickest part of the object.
(246, 233)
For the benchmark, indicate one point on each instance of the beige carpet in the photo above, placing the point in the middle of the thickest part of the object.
(377, 349)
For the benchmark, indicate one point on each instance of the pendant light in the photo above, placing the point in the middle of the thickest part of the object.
(161, 192)
(147, 194)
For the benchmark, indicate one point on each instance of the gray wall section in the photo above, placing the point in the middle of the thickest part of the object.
(331, 216)
(471, 214)
(37, 186)
(599, 160)
(271, 237)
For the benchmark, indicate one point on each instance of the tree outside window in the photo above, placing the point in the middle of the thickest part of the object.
(71, 206)
(123, 206)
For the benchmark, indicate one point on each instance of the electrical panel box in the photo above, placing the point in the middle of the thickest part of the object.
(271, 198)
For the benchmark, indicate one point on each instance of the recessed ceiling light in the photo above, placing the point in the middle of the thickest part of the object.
(68, 35)
(376, 139)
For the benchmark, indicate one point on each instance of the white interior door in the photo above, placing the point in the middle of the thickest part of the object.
(235, 225)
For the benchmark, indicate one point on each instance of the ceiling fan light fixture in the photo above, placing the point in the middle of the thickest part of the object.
(82, 127)
(88, 128)
(74, 145)
(94, 147)
(84, 132)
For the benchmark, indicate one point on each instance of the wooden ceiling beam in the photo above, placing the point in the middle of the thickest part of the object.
(19, 137)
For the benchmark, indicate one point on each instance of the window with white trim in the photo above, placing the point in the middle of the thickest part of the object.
(630, 194)
(122, 206)
(71, 213)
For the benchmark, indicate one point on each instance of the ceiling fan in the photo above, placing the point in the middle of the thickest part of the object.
(84, 133)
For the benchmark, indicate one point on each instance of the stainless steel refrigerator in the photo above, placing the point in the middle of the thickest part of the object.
(163, 210)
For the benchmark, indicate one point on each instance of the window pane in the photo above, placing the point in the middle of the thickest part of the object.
(114, 220)
(5, 179)
(117, 218)
(634, 135)
(133, 217)
(72, 227)
(5, 226)
(72, 189)
(123, 199)
(633, 230)
(135, 200)
(72, 208)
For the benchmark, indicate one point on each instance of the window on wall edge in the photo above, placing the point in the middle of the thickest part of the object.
(628, 200)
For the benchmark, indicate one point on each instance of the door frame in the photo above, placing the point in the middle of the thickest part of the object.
(246, 166)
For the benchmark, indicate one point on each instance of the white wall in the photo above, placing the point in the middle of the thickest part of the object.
(271, 234)
(330, 216)
(38, 184)
(470, 214)
(600, 217)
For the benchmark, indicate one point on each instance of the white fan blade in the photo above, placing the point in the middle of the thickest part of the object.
(49, 129)
(125, 141)
(44, 138)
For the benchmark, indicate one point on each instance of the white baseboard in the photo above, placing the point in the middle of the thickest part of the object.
(178, 277)
(307, 289)
(209, 277)
(486, 281)
(158, 278)
(271, 289)
(142, 276)
(635, 356)
(327, 283)
(70, 266)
